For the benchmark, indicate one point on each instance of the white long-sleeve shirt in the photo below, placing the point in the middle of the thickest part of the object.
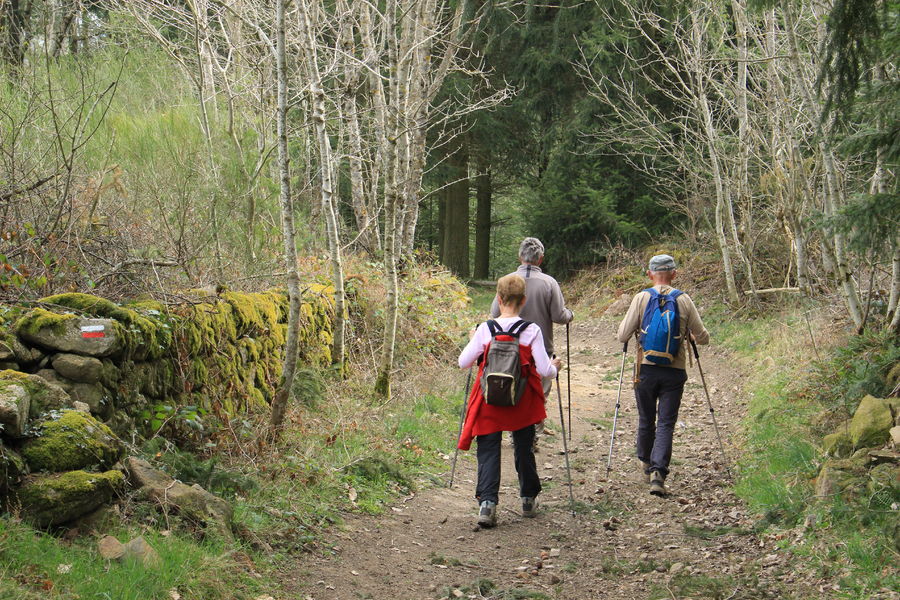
(531, 336)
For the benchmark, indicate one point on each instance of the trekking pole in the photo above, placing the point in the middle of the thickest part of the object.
(569, 381)
(712, 411)
(462, 417)
(616, 414)
(562, 424)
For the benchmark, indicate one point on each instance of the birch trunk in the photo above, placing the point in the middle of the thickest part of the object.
(379, 118)
(836, 245)
(483, 195)
(710, 134)
(282, 395)
(326, 170)
(739, 10)
(391, 208)
(425, 80)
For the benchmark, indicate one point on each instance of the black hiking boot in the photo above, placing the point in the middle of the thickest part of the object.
(657, 484)
(529, 507)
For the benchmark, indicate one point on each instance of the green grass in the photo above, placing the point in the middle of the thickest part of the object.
(358, 462)
(709, 533)
(792, 396)
(440, 559)
(695, 586)
(353, 464)
(35, 565)
(486, 588)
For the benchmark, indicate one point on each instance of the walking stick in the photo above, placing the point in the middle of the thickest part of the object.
(616, 414)
(462, 417)
(712, 411)
(569, 381)
(562, 424)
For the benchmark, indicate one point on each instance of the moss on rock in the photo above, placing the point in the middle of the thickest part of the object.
(43, 395)
(40, 319)
(227, 350)
(871, 423)
(74, 440)
(12, 468)
(838, 444)
(55, 499)
(147, 336)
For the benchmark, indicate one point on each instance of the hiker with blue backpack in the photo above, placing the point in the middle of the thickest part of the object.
(663, 318)
(507, 396)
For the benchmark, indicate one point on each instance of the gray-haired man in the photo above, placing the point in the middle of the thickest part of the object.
(544, 303)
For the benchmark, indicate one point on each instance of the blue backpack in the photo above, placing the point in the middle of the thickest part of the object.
(660, 334)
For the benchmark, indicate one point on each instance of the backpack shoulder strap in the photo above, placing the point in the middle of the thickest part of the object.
(494, 327)
(653, 293)
(675, 293)
(518, 327)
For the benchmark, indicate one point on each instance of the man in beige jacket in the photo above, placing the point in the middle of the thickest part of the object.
(658, 388)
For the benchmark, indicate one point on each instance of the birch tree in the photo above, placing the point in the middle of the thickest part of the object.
(282, 394)
(326, 173)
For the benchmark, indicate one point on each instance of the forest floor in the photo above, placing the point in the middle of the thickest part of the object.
(698, 542)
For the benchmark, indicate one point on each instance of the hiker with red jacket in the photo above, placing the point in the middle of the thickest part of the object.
(485, 419)
(660, 370)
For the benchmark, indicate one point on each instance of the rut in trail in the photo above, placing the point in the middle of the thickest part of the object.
(624, 543)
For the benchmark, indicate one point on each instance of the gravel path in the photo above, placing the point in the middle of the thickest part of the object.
(623, 543)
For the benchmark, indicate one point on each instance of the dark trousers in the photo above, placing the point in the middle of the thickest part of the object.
(488, 486)
(658, 398)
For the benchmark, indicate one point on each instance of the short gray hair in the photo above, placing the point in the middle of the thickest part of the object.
(531, 250)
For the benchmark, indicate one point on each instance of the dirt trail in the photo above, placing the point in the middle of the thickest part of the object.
(624, 543)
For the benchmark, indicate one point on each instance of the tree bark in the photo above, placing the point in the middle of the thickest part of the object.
(709, 130)
(893, 313)
(739, 11)
(483, 195)
(64, 12)
(456, 228)
(836, 245)
(12, 26)
(326, 172)
(393, 165)
(282, 395)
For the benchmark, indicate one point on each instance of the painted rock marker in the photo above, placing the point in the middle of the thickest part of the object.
(93, 331)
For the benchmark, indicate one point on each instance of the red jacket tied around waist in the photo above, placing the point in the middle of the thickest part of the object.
(483, 418)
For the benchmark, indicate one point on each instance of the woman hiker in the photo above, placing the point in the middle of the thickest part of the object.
(486, 422)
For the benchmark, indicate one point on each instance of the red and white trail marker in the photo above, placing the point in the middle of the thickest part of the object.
(93, 331)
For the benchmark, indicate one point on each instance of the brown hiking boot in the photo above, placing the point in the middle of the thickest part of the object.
(657, 484)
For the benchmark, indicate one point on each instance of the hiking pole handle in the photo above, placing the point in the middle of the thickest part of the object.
(694, 346)
(625, 348)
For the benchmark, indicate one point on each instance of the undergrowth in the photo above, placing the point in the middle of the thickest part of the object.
(796, 398)
(36, 566)
(342, 451)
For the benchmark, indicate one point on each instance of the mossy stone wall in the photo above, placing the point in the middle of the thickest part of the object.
(223, 353)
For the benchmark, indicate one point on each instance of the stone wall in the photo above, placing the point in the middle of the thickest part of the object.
(222, 353)
(131, 367)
